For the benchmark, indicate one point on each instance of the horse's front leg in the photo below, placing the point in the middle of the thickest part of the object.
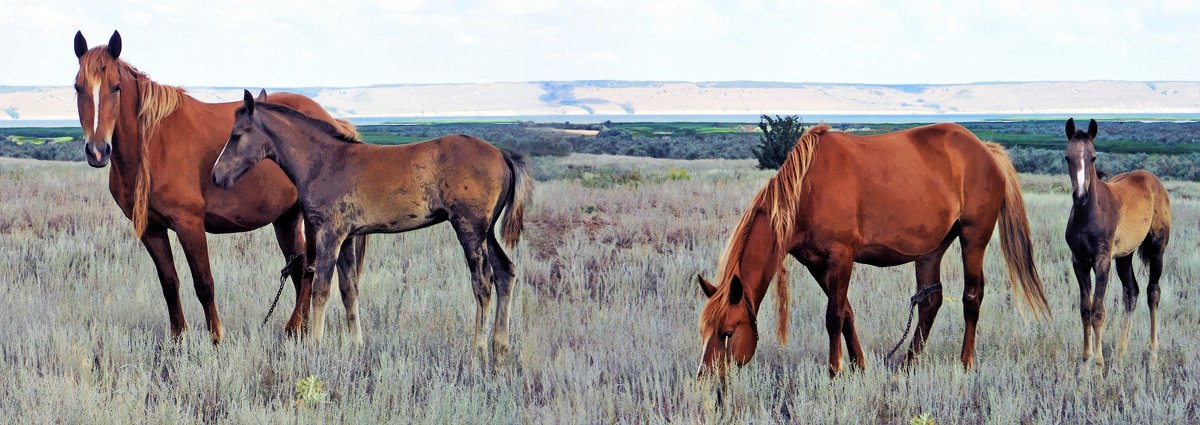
(328, 244)
(348, 275)
(159, 247)
(190, 229)
(1101, 267)
(1083, 274)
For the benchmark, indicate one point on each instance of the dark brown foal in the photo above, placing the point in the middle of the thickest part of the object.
(1110, 221)
(349, 188)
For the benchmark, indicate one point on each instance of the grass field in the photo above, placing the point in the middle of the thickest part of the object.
(604, 327)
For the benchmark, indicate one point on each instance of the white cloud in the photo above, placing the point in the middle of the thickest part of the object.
(359, 42)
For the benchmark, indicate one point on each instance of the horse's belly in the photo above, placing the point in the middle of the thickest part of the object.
(1130, 233)
(882, 256)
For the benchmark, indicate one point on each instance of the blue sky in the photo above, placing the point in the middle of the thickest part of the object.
(353, 43)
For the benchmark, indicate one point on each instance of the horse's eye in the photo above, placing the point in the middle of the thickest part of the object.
(78, 89)
(116, 88)
(726, 335)
(1093, 159)
(1067, 158)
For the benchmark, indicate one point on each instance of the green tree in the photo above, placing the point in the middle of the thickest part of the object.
(779, 135)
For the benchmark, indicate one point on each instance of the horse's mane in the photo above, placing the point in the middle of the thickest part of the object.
(155, 103)
(339, 133)
(779, 198)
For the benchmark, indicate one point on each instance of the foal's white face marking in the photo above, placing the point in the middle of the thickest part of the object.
(1080, 189)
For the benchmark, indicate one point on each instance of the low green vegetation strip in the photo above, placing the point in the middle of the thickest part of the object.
(1170, 149)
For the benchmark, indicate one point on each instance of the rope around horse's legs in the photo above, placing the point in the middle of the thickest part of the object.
(920, 297)
(283, 275)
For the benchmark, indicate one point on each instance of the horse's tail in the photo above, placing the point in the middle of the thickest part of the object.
(1015, 240)
(520, 192)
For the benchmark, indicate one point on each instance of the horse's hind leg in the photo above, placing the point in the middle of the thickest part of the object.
(974, 240)
(1129, 284)
(502, 276)
(348, 274)
(1154, 262)
(289, 232)
(929, 270)
(472, 235)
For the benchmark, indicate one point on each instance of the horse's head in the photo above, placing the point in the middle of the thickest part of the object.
(1081, 160)
(98, 95)
(247, 144)
(728, 330)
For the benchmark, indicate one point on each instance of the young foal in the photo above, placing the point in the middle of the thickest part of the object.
(1110, 220)
(349, 188)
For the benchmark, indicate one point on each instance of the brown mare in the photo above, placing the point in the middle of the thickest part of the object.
(163, 144)
(882, 200)
(349, 188)
(1110, 220)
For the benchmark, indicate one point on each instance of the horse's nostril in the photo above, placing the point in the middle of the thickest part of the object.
(107, 150)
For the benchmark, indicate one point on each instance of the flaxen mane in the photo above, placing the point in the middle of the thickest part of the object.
(155, 103)
(779, 198)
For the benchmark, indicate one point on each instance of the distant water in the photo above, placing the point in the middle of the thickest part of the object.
(735, 118)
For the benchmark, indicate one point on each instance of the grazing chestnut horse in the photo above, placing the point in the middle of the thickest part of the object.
(349, 188)
(163, 143)
(1110, 220)
(882, 200)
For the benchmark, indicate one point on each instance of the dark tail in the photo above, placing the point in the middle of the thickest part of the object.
(1015, 240)
(520, 192)
(361, 247)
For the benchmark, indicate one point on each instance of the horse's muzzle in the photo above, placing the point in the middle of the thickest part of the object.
(97, 153)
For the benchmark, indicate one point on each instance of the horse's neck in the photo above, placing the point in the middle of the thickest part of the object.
(299, 149)
(759, 260)
(1102, 200)
(127, 141)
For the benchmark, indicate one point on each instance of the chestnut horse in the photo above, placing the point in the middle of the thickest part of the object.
(163, 143)
(1111, 220)
(349, 188)
(882, 200)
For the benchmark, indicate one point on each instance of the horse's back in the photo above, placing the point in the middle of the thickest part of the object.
(450, 170)
(901, 193)
(309, 107)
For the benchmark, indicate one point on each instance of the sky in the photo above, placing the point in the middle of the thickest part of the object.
(303, 43)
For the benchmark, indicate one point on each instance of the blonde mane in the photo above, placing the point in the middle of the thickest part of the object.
(779, 198)
(156, 102)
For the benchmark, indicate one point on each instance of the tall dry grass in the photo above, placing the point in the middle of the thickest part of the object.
(604, 322)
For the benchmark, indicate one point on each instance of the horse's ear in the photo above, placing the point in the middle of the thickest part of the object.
(706, 287)
(262, 96)
(1070, 128)
(735, 290)
(80, 44)
(114, 45)
(1093, 130)
(249, 99)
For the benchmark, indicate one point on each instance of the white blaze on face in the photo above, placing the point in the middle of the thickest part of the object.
(95, 108)
(1080, 190)
(222, 152)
